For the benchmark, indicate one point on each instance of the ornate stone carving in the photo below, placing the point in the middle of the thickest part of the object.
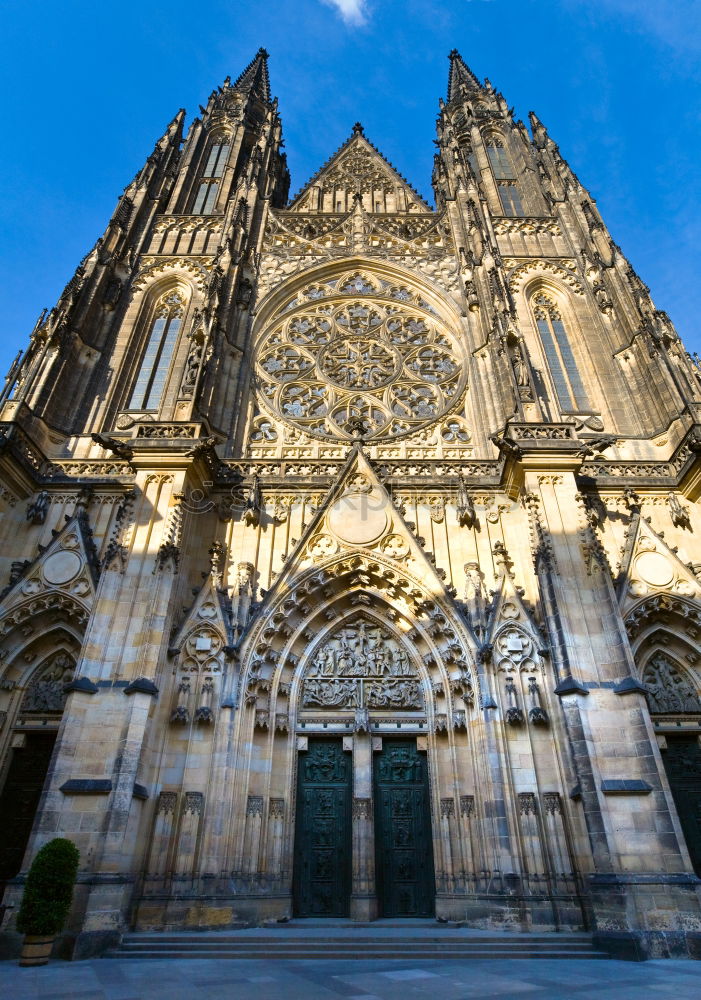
(181, 713)
(361, 665)
(362, 808)
(337, 369)
(193, 803)
(202, 650)
(527, 803)
(536, 713)
(276, 808)
(668, 688)
(36, 510)
(167, 802)
(552, 803)
(45, 693)
(678, 512)
(514, 650)
(447, 808)
(254, 805)
(467, 805)
(513, 713)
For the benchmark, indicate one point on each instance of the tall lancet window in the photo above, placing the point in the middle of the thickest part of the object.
(558, 352)
(160, 344)
(504, 176)
(208, 188)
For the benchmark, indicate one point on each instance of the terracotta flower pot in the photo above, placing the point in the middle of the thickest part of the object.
(36, 949)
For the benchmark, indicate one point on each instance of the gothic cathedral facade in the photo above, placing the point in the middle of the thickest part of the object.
(350, 548)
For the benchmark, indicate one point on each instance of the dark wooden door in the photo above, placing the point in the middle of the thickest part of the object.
(682, 760)
(403, 843)
(323, 845)
(20, 797)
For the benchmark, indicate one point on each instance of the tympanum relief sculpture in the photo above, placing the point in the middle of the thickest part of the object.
(361, 666)
(668, 689)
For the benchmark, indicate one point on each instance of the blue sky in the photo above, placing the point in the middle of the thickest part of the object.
(87, 89)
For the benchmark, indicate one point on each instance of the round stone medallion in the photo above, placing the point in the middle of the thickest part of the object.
(655, 569)
(61, 567)
(359, 518)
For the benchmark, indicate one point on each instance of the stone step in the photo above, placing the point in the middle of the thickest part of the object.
(451, 944)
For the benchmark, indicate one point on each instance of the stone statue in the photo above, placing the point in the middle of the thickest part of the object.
(38, 508)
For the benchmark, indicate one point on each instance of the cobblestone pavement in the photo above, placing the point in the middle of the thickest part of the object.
(216, 979)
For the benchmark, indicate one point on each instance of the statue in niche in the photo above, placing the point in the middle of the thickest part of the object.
(362, 666)
(668, 690)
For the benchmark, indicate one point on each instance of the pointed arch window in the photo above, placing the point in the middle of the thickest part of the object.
(504, 176)
(160, 344)
(558, 352)
(208, 188)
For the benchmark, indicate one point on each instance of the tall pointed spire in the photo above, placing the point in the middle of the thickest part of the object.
(254, 78)
(459, 74)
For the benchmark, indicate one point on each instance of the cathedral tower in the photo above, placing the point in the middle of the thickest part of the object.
(350, 548)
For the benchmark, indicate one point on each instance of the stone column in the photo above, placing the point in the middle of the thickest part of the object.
(364, 905)
(625, 801)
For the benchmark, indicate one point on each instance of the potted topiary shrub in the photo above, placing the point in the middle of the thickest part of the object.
(47, 897)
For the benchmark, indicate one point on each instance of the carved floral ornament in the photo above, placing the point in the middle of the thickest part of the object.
(352, 357)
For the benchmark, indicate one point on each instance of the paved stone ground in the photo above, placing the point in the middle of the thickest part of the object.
(216, 979)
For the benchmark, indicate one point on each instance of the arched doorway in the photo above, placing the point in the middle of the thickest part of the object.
(32, 738)
(361, 677)
(663, 630)
(675, 708)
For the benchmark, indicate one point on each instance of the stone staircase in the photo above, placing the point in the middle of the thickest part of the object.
(339, 939)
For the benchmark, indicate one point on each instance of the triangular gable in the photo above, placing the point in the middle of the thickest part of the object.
(512, 634)
(358, 167)
(208, 618)
(68, 564)
(357, 515)
(650, 566)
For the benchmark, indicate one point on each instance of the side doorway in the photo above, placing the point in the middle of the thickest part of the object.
(682, 760)
(403, 840)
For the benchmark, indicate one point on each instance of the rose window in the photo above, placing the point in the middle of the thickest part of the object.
(335, 366)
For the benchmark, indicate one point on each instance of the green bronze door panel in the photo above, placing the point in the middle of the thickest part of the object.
(682, 760)
(322, 879)
(403, 843)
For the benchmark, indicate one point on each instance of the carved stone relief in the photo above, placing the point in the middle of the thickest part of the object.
(668, 688)
(361, 666)
(514, 649)
(45, 692)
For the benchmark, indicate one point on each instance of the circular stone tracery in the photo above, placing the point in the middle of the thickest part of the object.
(335, 368)
(356, 363)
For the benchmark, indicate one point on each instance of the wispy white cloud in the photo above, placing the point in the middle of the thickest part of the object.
(352, 11)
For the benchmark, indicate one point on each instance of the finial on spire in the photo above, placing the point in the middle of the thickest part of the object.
(358, 129)
(254, 78)
(460, 75)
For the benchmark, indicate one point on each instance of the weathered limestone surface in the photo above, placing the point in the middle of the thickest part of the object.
(348, 467)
